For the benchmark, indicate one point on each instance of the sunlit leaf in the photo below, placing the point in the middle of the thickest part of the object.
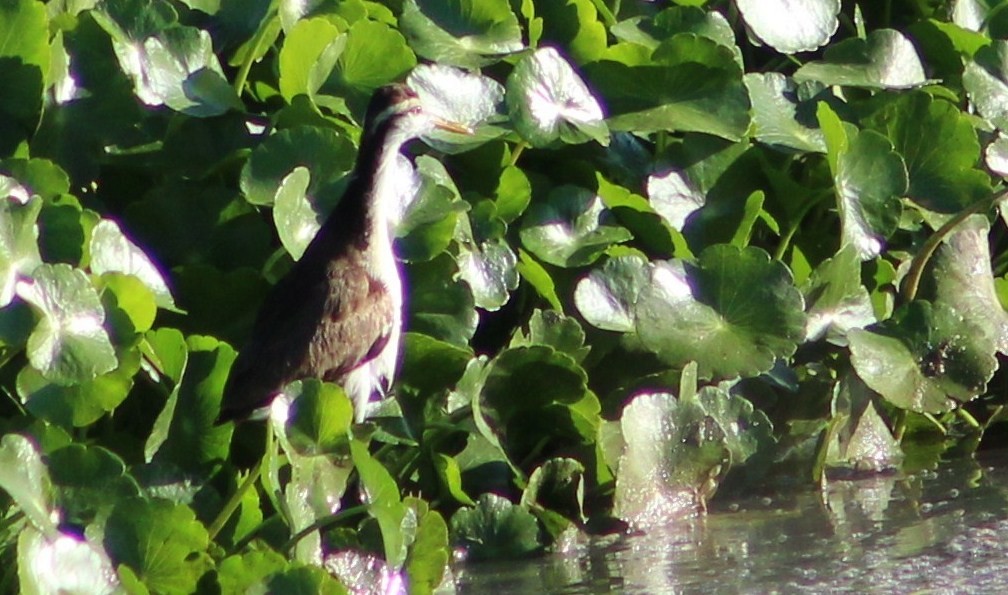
(689, 83)
(112, 251)
(548, 101)
(573, 25)
(326, 154)
(986, 81)
(320, 417)
(489, 269)
(775, 114)
(305, 44)
(70, 343)
(885, 60)
(940, 148)
(495, 528)
(25, 54)
(381, 494)
(162, 543)
(607, 297)
(809, 23)
(673, 453)
(674, 197)
(652, 31)
(572, 228)
(296, 220)
(24, 476)
(467, 33)
(63, 563)
(860, 441)
(428, 555)
(962, 279)
(734, 312)
(374, 54)
(925, 358)
(456, 95)
(19, 252)
(836, 299)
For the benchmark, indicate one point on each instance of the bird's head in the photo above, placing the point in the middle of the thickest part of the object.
(399, 107)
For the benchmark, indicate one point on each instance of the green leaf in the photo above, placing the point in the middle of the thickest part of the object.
(193, 438)
(466, 33)
(673, 453)
(24, 476)
(552, 328)
(734, 312)
(870, 179)
(940, 148)
(925, 358)
(19, 252)
(381, 494)
(776, 114)
(859, 440)
(83, 566)
(808, 26)
(539, 278)
(83, 402)
(70, 343)
(374, 55)
(296, 220)
(836, 300)
(320, 417)
(450, 475)
(112, 252)
(962, 279)
(24, 59)
(89, 480)
(305, 44)
(607, 297)
(573, 25)
(986, 81)
(548, 101)
(673, 196)
(651, 32)
(244, 572)
(161, 542)
(557, 485)
(177, 68)
(689, 83)
(325, 153)
(428, 555)
(440, 305)
(495, 529)
(885, 60)
(572, 228)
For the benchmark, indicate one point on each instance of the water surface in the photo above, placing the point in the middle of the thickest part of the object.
(935, 531)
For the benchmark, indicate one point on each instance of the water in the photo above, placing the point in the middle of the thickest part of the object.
(943, 531)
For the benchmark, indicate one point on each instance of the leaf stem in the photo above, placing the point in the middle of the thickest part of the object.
(913, 277)
(242, 77)
(322, 523)
(516, 153)
(232, 505)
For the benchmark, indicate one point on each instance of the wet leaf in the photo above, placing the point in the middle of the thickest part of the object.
(674, 197)
(495, 529)
(925, 358)
(63, 563)
(672, 452)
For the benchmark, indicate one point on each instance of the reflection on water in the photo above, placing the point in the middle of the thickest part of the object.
(938, 531)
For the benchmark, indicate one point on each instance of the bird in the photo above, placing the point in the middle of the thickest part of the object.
(337, 314)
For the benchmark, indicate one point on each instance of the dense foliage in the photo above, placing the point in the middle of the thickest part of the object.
(689, 246)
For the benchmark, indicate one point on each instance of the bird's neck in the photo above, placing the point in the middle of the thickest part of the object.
(362, 213)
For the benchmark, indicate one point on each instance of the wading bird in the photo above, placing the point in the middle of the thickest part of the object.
(337, 315)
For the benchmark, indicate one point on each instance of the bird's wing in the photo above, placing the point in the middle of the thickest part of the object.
(358, 321)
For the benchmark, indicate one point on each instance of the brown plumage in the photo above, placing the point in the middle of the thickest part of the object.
(337, 314)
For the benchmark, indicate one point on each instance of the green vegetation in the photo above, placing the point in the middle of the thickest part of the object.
(690, 246)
